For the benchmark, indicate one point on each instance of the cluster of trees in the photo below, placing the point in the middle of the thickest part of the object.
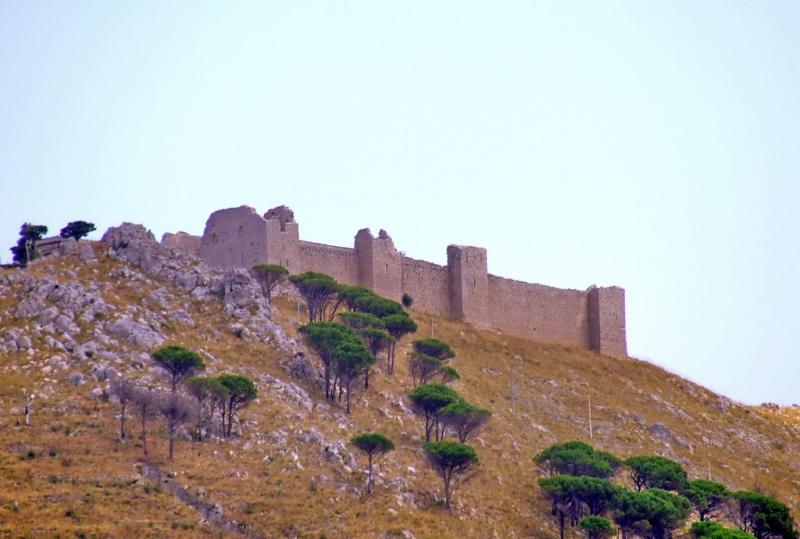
(349, 347)
(580, 488)
(228, 393)
(25, 249)
(428, 360)
(451, 459)
(368, 325)
(446, 412)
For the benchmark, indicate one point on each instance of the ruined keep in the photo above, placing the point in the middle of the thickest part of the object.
(463, 290)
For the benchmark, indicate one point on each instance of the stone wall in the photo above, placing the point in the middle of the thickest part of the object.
(540, 312)
(183, 241)
(428, 284)
(338, 262)
(464, 290)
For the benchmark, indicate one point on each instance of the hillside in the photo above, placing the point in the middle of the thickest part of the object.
(67, 324)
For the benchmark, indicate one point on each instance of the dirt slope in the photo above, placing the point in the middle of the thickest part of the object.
(290, 473)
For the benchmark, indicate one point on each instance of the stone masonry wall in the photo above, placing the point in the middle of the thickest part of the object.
(428, 284)
(338, 262)
(595, 318)
(540, 312)
(183, 241)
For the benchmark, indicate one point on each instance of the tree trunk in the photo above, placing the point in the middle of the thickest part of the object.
(328, 393)
(447, 491)
(222, 417)
(171, 429)
(230, 420)
(369, 476)
(122, 422)
(428, 428)
(349, 382)
(144, 431)
(561, 523)
(366, 378)
(27, 409)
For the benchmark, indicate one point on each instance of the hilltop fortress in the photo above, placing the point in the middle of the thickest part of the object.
(464, 289)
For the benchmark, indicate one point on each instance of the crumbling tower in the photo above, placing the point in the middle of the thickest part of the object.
(379, 266)
(283, 239)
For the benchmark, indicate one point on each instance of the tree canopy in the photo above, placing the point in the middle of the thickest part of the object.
(179, 362)
(324, 337)
(372, 444)
(397, 325)
(706, 496)
(652, 471)
(651, 512)
(463, 418)
(711, 530)
(357, 320)
(211, 394)
(596, 527)
(435, 348)
(423, 368)
(351, 359)
(377, 305)
(574, 496)
(451, 460)
(428, 399)
(349, 294)
(25, 249)
(77, 230)
(577, 458)
(241, 391)
(763, 516)
(269, 276)
(321, 293)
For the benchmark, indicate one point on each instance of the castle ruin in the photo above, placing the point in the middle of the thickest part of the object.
(463, 290)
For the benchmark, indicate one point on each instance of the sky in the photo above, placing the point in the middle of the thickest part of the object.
(650, 145)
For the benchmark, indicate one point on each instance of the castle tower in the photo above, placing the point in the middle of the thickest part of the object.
(234, 237)
(282, 239)
(607, 320)
(379, 265)
(469, 284)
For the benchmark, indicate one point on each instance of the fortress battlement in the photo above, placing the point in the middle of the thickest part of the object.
(463, 289)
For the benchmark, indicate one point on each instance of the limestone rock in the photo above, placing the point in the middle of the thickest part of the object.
(300, 366)
(66, 326)
(134, 332)
(123, 236)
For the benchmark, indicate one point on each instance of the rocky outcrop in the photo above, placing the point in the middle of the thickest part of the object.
(137, 245)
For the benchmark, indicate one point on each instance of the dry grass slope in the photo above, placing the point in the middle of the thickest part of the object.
(67, 474)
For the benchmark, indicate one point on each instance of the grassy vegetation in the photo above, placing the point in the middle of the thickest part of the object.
(67, 474)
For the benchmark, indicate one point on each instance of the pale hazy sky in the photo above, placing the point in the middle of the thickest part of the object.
(652, 145)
